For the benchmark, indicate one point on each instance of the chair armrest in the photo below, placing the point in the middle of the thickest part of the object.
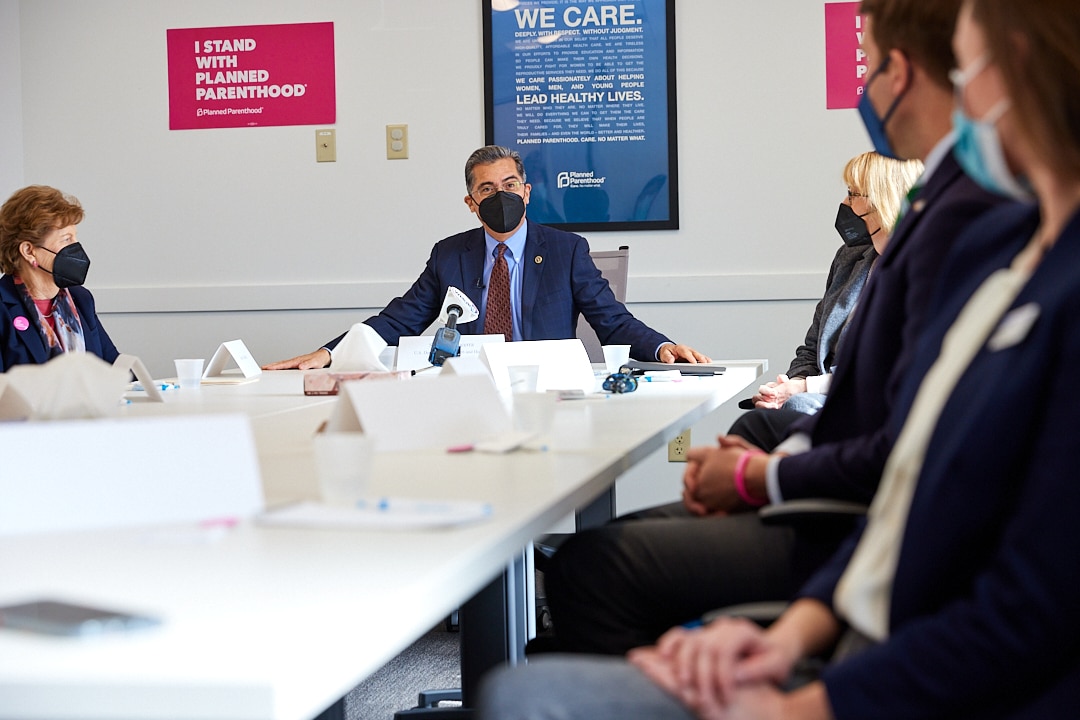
(813, 509)
(763, 613)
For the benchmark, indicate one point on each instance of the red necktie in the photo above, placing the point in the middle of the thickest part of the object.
(497, 319)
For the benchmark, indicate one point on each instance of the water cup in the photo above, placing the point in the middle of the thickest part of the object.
(343, 465)
(615, 356)
(534, 412)
(523, 378)
(189, 373)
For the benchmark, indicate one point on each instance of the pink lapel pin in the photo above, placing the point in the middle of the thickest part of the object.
(20, 323)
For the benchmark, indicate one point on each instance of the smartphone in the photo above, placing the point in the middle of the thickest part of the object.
(54, 617)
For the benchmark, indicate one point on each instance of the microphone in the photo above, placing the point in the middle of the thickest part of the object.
(447, 341)
(480, 284)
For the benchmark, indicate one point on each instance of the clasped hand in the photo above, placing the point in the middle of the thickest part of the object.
(729, 669)
(708, 481)
(774, 394)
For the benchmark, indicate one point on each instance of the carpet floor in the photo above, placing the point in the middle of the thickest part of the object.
(431, 663)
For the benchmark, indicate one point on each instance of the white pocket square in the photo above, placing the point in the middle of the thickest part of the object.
(1014, 327)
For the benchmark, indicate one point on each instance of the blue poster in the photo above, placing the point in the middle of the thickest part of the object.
(584, 91)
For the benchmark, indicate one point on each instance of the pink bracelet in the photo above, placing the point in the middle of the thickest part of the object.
(740, 479)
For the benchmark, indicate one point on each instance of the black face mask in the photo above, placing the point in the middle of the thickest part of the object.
(69, 266)
(852, 227)
(502, 212)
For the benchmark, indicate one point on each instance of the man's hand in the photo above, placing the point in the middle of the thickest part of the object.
(709, 479)
(775, 394)
(318, 359)
(670, 352)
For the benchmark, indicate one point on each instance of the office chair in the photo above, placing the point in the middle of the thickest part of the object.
(818, 515)
(613, 265)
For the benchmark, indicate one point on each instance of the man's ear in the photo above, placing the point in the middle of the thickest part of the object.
(900, 72)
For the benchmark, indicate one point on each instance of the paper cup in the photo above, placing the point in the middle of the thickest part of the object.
(189, 373)
(615, 356)
(343, 465)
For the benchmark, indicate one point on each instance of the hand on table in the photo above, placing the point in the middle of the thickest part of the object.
(670, 352)
(318, 359)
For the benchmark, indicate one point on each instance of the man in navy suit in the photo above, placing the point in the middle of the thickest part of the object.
(621, 585)
(552, 278)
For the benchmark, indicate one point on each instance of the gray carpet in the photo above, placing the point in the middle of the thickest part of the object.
(431, 663)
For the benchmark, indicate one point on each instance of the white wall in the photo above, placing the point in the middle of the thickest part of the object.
(11, 136)
(206, 235)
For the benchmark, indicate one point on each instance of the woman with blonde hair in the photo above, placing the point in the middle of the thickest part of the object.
(876, 188)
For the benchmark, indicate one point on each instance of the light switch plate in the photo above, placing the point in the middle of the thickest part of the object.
(325, 145)
(397, 142)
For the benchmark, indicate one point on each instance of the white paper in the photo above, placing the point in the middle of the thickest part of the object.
(241, 357)
(359, 350)
(133, 364)
(564, 364)
(128, 472)
(70, 386)
(414, 350)
(412, 414)
(384, 514)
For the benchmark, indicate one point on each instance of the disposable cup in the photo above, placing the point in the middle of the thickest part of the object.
(615, 356)
(523, 378)
(343, 465)
(534, 412)
(189, 373)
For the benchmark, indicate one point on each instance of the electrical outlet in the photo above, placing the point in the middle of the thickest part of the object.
(676, 449)
(397, 142)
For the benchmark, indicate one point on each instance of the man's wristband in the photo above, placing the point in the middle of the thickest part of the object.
(740, 479)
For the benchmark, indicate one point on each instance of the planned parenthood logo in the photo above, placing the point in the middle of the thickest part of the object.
(578, 179)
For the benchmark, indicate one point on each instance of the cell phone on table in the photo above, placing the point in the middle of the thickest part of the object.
(55, 617)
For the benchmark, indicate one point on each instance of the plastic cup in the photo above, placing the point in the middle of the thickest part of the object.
(343, 465)
(523, 378)
(189, 373)
(534, 412)
(615, 356)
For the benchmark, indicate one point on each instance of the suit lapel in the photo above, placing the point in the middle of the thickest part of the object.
(30, 337)
(472, 274)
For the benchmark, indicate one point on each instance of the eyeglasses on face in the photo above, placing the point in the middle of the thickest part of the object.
(488, 189)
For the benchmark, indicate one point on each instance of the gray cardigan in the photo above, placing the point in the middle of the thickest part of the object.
(847, 276)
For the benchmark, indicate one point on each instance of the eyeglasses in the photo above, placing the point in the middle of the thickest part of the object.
(511, 186)
(853, 194)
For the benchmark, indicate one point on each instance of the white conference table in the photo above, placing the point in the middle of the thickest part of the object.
(269, 622)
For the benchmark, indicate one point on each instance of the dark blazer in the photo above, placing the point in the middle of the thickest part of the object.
(849, 436)
(19, 347)
(983, 614)
(559, 282)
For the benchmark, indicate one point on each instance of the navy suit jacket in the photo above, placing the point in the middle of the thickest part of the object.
(850, 440)
(19, 347)
(983, 615)
(559, 282)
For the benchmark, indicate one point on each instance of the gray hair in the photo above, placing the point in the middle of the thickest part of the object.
(489, 154)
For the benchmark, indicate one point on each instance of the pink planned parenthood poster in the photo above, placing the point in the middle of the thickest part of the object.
(845, 63)
(244, 76)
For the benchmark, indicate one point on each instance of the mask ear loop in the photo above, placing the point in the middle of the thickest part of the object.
(907, 86)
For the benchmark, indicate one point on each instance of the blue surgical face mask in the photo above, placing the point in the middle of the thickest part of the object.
(978, 150)
(978, 144)
(875, 124)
